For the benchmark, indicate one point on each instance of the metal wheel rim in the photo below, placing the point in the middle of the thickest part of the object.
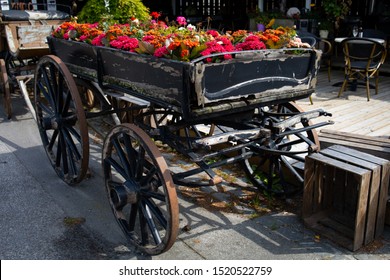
(61, 121)
(139, 200)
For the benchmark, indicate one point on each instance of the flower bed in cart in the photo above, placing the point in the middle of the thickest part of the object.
(178, 40)
(193, 71)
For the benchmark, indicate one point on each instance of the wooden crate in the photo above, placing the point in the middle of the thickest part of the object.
(345, 195)
(376, 146)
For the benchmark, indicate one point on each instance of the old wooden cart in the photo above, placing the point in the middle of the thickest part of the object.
(214, 113)
(22, 43)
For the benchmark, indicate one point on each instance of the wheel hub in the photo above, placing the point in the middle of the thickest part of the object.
(128, 193)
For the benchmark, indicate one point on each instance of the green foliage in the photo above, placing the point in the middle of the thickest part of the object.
(130, 8)
(336, 8)
(92, 11)
(263, 18)
(119, 11)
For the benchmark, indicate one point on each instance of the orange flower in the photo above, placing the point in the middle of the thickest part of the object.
(173, 45)
(185, 53)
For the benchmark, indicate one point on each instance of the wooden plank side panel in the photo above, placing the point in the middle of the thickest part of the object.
(33, 36)
(348, 155)
(384, 183)
(377, 146)
(338, 195)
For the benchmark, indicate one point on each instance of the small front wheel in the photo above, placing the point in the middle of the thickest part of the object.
(277, 166)
(140, 189)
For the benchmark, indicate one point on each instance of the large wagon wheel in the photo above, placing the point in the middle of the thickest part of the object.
(140, 189)
(277, 166)
(61, 119)
(5, 89)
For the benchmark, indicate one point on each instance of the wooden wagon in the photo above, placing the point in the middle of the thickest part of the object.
(22, 43)
(235, 111)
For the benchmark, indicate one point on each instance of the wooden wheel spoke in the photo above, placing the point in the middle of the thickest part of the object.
(147, 217)
(60, 90)
(155, 195)
(131, 153)
(133, 217)
(52, 140)
(45, 109)
(47, 88)
(71, 145)
(46, 94)
(117, 167)
(74, 133)
(157, 213)
(149, 175)
(67, 105)
(139, 169)
(64, 154)
(122, 157)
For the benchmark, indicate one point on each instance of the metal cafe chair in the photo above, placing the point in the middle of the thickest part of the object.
(326, 58)
(363, 58)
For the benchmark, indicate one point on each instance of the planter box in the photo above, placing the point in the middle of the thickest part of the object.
(197, 89)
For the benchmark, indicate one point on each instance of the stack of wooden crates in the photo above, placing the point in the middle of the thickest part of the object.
(345, 195)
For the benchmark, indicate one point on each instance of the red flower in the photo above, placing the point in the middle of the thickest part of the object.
(155, 15)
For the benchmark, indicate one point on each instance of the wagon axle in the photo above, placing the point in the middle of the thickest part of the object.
(126, 194)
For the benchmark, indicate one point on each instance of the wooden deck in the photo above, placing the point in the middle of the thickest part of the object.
(352, 112)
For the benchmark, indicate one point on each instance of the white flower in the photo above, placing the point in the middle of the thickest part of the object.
(191, 27)
(168, 42)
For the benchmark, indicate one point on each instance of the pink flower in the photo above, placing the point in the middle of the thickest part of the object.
(181, 20)
(213, 33)
(161, 52)
(97, 41)
(251, 42)
(148, 38)
(215, 47)
(83, 37)
(125, 43)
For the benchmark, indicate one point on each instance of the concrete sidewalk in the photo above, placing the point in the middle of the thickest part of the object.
(43, 218)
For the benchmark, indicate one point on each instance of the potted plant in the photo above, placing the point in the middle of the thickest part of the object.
(336, 10)
(262, 20)
(324, 27)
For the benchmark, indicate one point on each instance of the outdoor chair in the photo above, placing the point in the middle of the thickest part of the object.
(326, 58)
(363, 58)
(310, 40)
